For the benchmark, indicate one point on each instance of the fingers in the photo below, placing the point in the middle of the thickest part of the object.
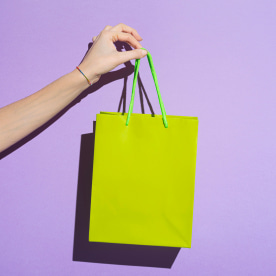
(126, 38)
(107, 27)
(103, 55)
(126, 29)
(128, 34)
(133, 54)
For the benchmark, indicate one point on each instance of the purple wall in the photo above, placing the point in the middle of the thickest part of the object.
(215, 60)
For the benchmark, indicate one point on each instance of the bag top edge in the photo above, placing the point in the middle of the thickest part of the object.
(148, 115)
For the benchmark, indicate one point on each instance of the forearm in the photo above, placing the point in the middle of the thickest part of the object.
(24, 116)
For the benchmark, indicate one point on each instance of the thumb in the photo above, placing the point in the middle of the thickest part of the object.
(132, 54)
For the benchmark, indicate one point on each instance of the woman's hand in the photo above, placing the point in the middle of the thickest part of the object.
(24, 116)
(102, 57)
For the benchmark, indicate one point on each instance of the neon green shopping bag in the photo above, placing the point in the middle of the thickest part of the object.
(143, 177)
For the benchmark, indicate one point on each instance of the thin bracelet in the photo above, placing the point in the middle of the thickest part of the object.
(84, 75)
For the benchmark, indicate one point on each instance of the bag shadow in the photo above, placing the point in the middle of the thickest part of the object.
(108, 253)
(111, 253)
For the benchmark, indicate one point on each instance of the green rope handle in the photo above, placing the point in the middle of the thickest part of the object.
(136, 69)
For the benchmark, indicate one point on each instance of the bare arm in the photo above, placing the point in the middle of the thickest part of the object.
(24, 116)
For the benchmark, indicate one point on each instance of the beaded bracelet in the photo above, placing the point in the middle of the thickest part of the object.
(84, 75)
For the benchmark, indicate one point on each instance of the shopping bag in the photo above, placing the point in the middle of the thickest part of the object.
(143, 176)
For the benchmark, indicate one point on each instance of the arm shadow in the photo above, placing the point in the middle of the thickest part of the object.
(104, 80)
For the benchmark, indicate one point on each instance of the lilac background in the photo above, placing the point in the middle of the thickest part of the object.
(215, 60)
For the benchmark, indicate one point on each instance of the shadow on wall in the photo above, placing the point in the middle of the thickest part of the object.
(85, 251)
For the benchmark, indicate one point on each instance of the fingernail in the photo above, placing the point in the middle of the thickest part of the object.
(144, 52)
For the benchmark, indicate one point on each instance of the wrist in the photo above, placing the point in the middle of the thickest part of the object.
(80, 81)
(88, 73)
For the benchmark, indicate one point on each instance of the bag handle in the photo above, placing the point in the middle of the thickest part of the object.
(136, 69)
